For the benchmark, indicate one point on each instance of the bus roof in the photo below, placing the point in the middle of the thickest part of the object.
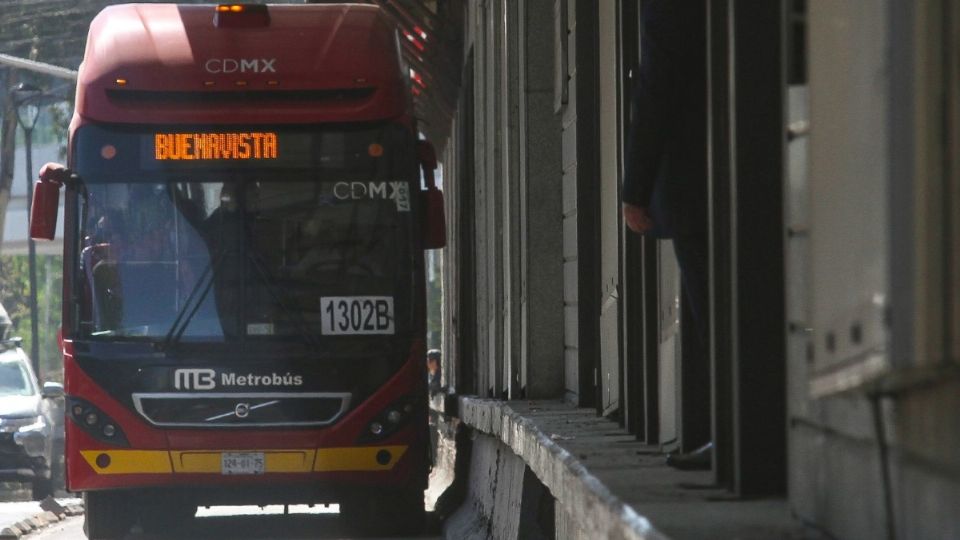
(166, 63)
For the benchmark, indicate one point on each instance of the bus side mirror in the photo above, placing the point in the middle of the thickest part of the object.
(46, 201)
(435, 222)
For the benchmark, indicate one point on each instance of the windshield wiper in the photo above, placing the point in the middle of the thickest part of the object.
(81, 187)
(183, 318)
(297, 316)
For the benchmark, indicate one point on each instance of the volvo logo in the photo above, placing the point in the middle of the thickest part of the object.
(242, 410)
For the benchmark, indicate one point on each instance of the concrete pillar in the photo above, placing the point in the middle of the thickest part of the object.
(516, 222)
(493, 198)
(541, 207)
(509, 99)
(481, 143)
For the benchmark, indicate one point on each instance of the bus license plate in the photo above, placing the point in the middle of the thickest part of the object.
(241, 463)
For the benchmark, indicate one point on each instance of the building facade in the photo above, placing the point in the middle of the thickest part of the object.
(831, 378)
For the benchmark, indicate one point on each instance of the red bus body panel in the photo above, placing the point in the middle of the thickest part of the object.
(313, 60)
(344, 434)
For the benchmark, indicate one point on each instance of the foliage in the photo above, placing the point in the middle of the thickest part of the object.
(60, 114)
(15, 297)
(434, 306)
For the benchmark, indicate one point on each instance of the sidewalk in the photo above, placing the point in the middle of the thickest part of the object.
(611, 486)
(18, 518)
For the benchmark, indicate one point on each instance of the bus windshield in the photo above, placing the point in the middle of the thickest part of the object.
(251, 251)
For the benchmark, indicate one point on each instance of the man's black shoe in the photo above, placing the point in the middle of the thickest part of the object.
(697, 460)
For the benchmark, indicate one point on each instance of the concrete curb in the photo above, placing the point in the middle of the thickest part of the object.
(580, 493)
(52, 512)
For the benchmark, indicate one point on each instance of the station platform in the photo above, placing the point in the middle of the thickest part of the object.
(602, 483)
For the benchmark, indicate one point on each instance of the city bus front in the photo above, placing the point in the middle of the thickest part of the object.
(247, 313)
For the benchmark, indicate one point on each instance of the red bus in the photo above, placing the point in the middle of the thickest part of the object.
(245, 220)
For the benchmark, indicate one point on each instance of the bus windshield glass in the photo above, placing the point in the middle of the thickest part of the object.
(210, 235)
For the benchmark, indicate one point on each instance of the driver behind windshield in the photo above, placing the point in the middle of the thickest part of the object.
(127, 260)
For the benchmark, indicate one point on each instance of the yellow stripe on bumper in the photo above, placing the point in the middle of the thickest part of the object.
(345, 459)
(358, 458)
(130, 461)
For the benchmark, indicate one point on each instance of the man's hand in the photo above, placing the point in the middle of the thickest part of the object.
(54, 172)
(637, 218)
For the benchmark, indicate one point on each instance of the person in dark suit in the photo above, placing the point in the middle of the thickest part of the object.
(665, 182)
(433, 371)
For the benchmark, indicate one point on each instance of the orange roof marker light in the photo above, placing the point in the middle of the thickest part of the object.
(241, 16)
(231, 8)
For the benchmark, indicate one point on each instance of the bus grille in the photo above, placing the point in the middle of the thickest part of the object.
(238, 410)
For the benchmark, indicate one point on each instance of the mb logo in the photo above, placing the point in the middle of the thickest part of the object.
(194, 379)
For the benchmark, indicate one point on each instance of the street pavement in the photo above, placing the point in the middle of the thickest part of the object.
(246, 522)
(262, 527)
(218, 522)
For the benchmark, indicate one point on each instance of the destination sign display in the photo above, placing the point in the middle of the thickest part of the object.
(342, 153)
(254, 145)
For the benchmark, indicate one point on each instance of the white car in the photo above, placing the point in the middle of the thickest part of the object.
(31, 435)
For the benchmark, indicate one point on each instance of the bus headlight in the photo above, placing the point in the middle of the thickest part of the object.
(95, 422)
(391, 419)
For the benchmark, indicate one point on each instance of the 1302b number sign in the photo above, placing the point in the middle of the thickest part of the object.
(346, 315)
